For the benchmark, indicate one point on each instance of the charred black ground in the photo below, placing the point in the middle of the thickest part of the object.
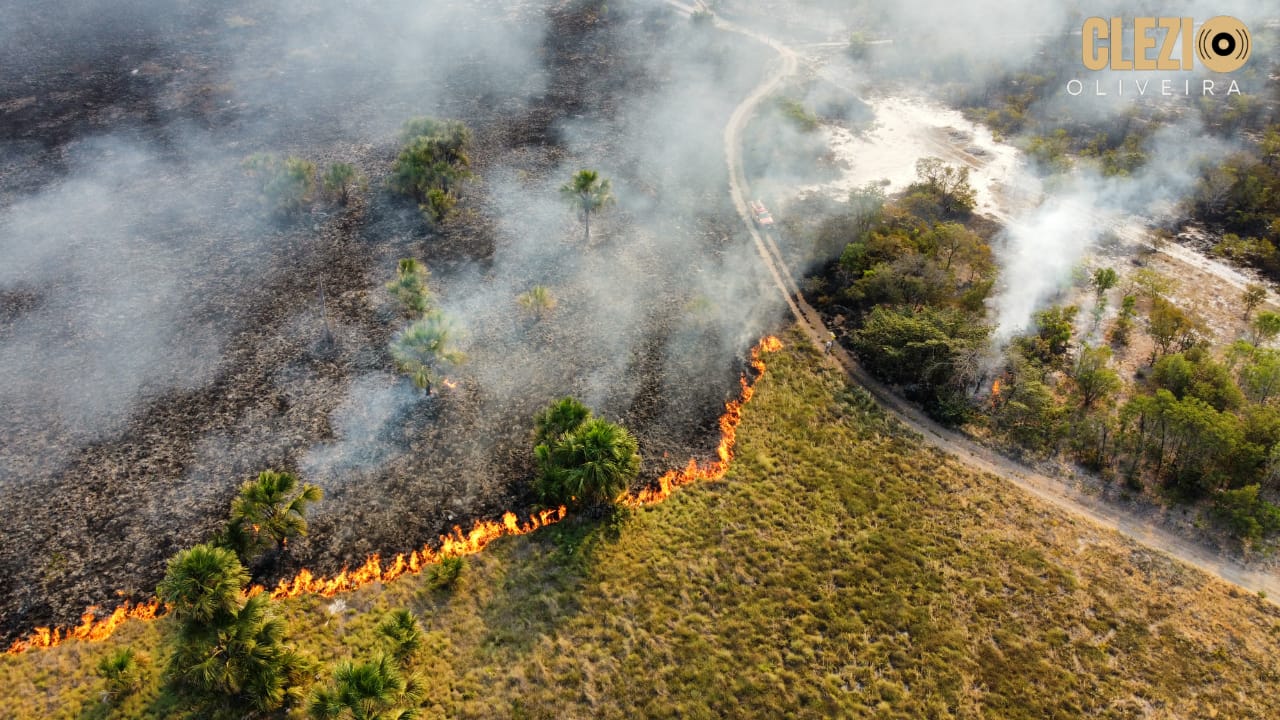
(251, 384)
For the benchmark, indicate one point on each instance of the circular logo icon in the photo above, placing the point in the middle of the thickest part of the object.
(1223, 44)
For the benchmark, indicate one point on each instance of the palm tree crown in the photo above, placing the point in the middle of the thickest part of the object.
(589, 192)
(269, 510)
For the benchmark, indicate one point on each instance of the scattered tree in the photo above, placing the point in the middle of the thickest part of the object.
(588, 192)
(1253, 296)
(1094, 380)
(1266, 326)
(949, 183)
(341, 180)
(1260, 376)
(582, 460)
(1170, 327)
(410, 287)
(1124, 321)
(424, 349)
(1054, 328)
(269, 510)
(1103, 280)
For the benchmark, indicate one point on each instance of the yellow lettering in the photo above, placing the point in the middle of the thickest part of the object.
(1188, 44)
(1143, 42)
(1117, 46)
(1095, 29)
(1167, 61)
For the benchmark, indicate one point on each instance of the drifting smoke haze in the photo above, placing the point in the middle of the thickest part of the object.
(977, 45)
(159, 334)
(1039, 248)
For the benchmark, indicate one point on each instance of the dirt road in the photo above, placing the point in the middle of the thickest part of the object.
(1049, 489)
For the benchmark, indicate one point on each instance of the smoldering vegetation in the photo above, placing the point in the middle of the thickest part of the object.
(161, 334)
(1007, 66)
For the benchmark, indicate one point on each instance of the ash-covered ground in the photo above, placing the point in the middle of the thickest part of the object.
(161, 336)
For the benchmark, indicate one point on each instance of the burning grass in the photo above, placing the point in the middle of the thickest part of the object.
(838, 570)
(456, 544)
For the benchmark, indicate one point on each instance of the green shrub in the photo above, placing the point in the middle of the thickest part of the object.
(123, 671)
(446, 573)
(410, 287)
(341, 180)
(286, 186)
(432, 163)
(590, 464)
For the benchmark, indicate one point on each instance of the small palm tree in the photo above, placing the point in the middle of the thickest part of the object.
(374, 690)
(269, 510)
(410, 286)
(591, 465)
(401, 631)
(340, 180)
(424, 348)
(538, 300)
(123, 670)
(203, 584)
(588, 192)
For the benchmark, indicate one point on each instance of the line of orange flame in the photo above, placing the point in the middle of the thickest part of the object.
(714, 470)
(455, 544)
(90, 627)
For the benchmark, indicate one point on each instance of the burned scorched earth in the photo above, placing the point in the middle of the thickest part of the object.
(162, 336)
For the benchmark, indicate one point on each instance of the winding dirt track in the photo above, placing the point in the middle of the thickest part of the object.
(1048, 489)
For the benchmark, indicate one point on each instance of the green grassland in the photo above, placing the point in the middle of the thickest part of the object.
(839, 570)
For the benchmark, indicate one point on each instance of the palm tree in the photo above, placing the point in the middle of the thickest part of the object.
(228, 657)
(203, 584)
(538, 300)
(123, 671)
(268, 511)
(591, 465)
(237, 667)
(562, 416)
(374, 690)
(589, 192)
(401, 631)
(424, 347)
(410, 286)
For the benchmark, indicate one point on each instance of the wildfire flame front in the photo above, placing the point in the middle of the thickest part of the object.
(454, 544)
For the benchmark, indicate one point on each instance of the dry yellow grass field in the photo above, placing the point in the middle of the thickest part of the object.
(839, 570)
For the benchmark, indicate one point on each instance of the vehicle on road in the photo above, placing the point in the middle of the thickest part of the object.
(760, 214)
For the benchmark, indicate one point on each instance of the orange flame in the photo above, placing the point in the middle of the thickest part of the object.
(995, 388)
(90, 627)
(693, 472)
(454, 544)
